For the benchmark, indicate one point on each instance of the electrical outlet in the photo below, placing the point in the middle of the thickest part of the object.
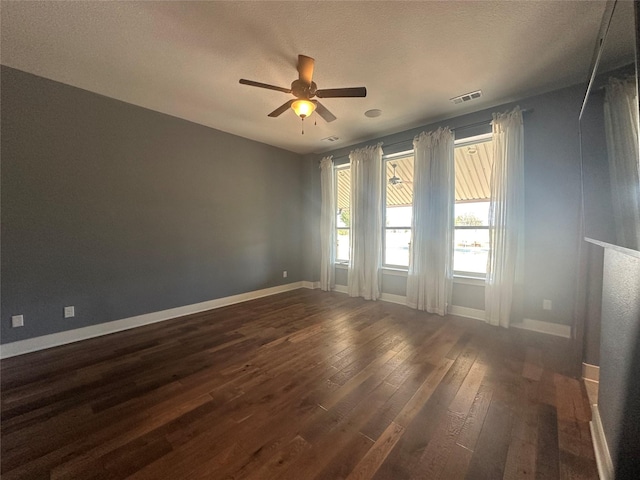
(546, 304)
(284, 274)
(69, 312)
(17, 321)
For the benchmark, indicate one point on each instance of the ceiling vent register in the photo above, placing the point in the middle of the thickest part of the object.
(466, 97)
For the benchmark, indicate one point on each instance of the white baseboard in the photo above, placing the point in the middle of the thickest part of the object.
(603, 458)
(391, 298)
(540, 326)
(467, 312)
(477, 314)
(70, 336)
(590, 372)
(341, 289)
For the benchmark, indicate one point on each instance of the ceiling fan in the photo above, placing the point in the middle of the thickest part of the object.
(395, 180)
(304, 89)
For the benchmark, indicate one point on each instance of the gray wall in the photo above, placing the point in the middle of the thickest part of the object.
(121, 211)
(311, 218)
(552, 200)
(619, 389)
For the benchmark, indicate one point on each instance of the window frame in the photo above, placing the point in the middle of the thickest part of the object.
(336, 170)
(466, 142)
(402, 269)
(385, 159)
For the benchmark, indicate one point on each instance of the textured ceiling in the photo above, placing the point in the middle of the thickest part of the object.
(185, 58)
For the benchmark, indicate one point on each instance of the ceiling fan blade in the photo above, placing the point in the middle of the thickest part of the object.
(281, 109)
(323, 112)
(342, 92)
(305, 68)
(264, 85)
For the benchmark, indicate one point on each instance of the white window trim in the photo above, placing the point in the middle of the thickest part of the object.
(468, 279)
(395, 272)
(471, 278)
(390, 267)
(336, 169)
(461, 142)
(404, 153)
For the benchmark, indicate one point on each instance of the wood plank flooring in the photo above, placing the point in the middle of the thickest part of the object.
(301, 385)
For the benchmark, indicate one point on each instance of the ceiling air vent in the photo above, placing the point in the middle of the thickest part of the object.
(466, 97)
(332, 138)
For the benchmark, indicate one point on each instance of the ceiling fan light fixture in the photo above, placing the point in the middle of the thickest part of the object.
(303, 108)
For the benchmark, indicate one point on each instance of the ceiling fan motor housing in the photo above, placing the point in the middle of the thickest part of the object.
(303, 90)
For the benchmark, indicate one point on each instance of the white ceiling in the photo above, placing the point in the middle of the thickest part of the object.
(185, 58)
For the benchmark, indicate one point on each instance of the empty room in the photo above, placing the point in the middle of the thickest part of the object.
(319, 240)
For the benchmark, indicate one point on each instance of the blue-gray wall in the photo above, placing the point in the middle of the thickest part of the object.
(121, 211)
(552, 201)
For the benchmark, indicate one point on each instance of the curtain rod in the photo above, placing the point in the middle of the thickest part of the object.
(484, 122)
(462, 127)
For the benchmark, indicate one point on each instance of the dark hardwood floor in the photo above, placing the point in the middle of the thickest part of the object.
(301, 385)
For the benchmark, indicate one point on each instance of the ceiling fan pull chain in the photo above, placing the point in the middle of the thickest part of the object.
(302, 125)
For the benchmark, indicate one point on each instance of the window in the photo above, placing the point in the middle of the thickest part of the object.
(473, 159)
(473, 163)
(343, 192)
(398, 209)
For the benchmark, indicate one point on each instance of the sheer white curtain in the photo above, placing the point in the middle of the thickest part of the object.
(506, 217)
(366, 222)
(327, 224)
(621, 127)
(430, 277)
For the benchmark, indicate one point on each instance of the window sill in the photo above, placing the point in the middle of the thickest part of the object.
(466, 280)
(396, 272)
